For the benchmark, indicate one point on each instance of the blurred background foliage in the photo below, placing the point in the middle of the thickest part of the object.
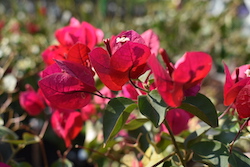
(218, 27)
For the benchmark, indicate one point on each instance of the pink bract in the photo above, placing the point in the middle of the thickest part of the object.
(67, 85)
(236, 90)
(79, 32)
(181, 80)
(67, 124)
(177, 120)
(127, 62)
(31, 101)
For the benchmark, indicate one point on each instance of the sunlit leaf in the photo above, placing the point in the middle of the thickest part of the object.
(153, 107)
(237, 159)
(211, 152)
(115, 116)
(201, 107)
(136, 123)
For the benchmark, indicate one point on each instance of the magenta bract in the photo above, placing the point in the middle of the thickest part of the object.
(67, 124)
(31, 101)
(183, 79)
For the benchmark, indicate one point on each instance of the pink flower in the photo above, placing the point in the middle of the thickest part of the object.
(237, 90)
(88, 111)
(67, 84)
(103, 101)
(79, 32)
(31, 101)
(67, 124)
(177, 120)
(125, 59)
(181, 80)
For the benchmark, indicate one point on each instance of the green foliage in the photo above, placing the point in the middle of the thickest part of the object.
(115, 116)
(201, 107)
(153, 107)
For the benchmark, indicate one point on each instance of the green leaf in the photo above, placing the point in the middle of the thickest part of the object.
(211, 152)
(136, 123)
(143, 141)
(30, 138)
(62, 162)
(115, 116)
(153, 107)
(6, 133)
(195, 137)
(201, 107)
(27, 139)
(237, 159)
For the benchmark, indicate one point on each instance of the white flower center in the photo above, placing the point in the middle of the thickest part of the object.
(122, 39)
(247, 72)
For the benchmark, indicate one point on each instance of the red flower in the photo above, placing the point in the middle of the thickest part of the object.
(67, 124)
(237, 90)
(181, 80)
(67, 84)
(31, 101)
(53, 52)
(79, 32)
(177, 120)
(123, 60)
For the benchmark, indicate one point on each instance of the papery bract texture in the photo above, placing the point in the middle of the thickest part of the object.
(236, 90)
(67, 124)
(69, 88)
(78, 32)
(31, 101)
(129, 61)
(184, 79)
(177, 120)
(151, 40)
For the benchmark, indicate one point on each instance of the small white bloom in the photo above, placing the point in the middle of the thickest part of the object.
(122, 39)
(247, 72)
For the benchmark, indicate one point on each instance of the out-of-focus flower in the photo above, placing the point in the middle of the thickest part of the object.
(31, 101)
(88, 111)
(181, 80)
(177, 120)
(103, 101)
(32, 28)
(123, 60)
(67, 124)
(79, 32)
(237, 90)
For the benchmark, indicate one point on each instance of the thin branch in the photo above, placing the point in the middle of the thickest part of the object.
(164, 159)
(241, 128)
(175, 143)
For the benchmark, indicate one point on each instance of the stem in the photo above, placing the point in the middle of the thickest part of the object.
(144, 90)
(175, 143)
(225, 112)
(241, 128)
(164, 159)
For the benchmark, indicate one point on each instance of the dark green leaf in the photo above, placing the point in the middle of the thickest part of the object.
(237, 159)
(143, 142)
(153, 107)
(201, 107)
(136, 123)
(211, 152)
(115, 116)
(6, 133)
(195, 137)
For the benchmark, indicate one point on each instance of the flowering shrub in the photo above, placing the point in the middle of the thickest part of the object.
(131, 102)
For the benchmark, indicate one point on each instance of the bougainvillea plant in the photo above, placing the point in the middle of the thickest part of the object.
(151, 110)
